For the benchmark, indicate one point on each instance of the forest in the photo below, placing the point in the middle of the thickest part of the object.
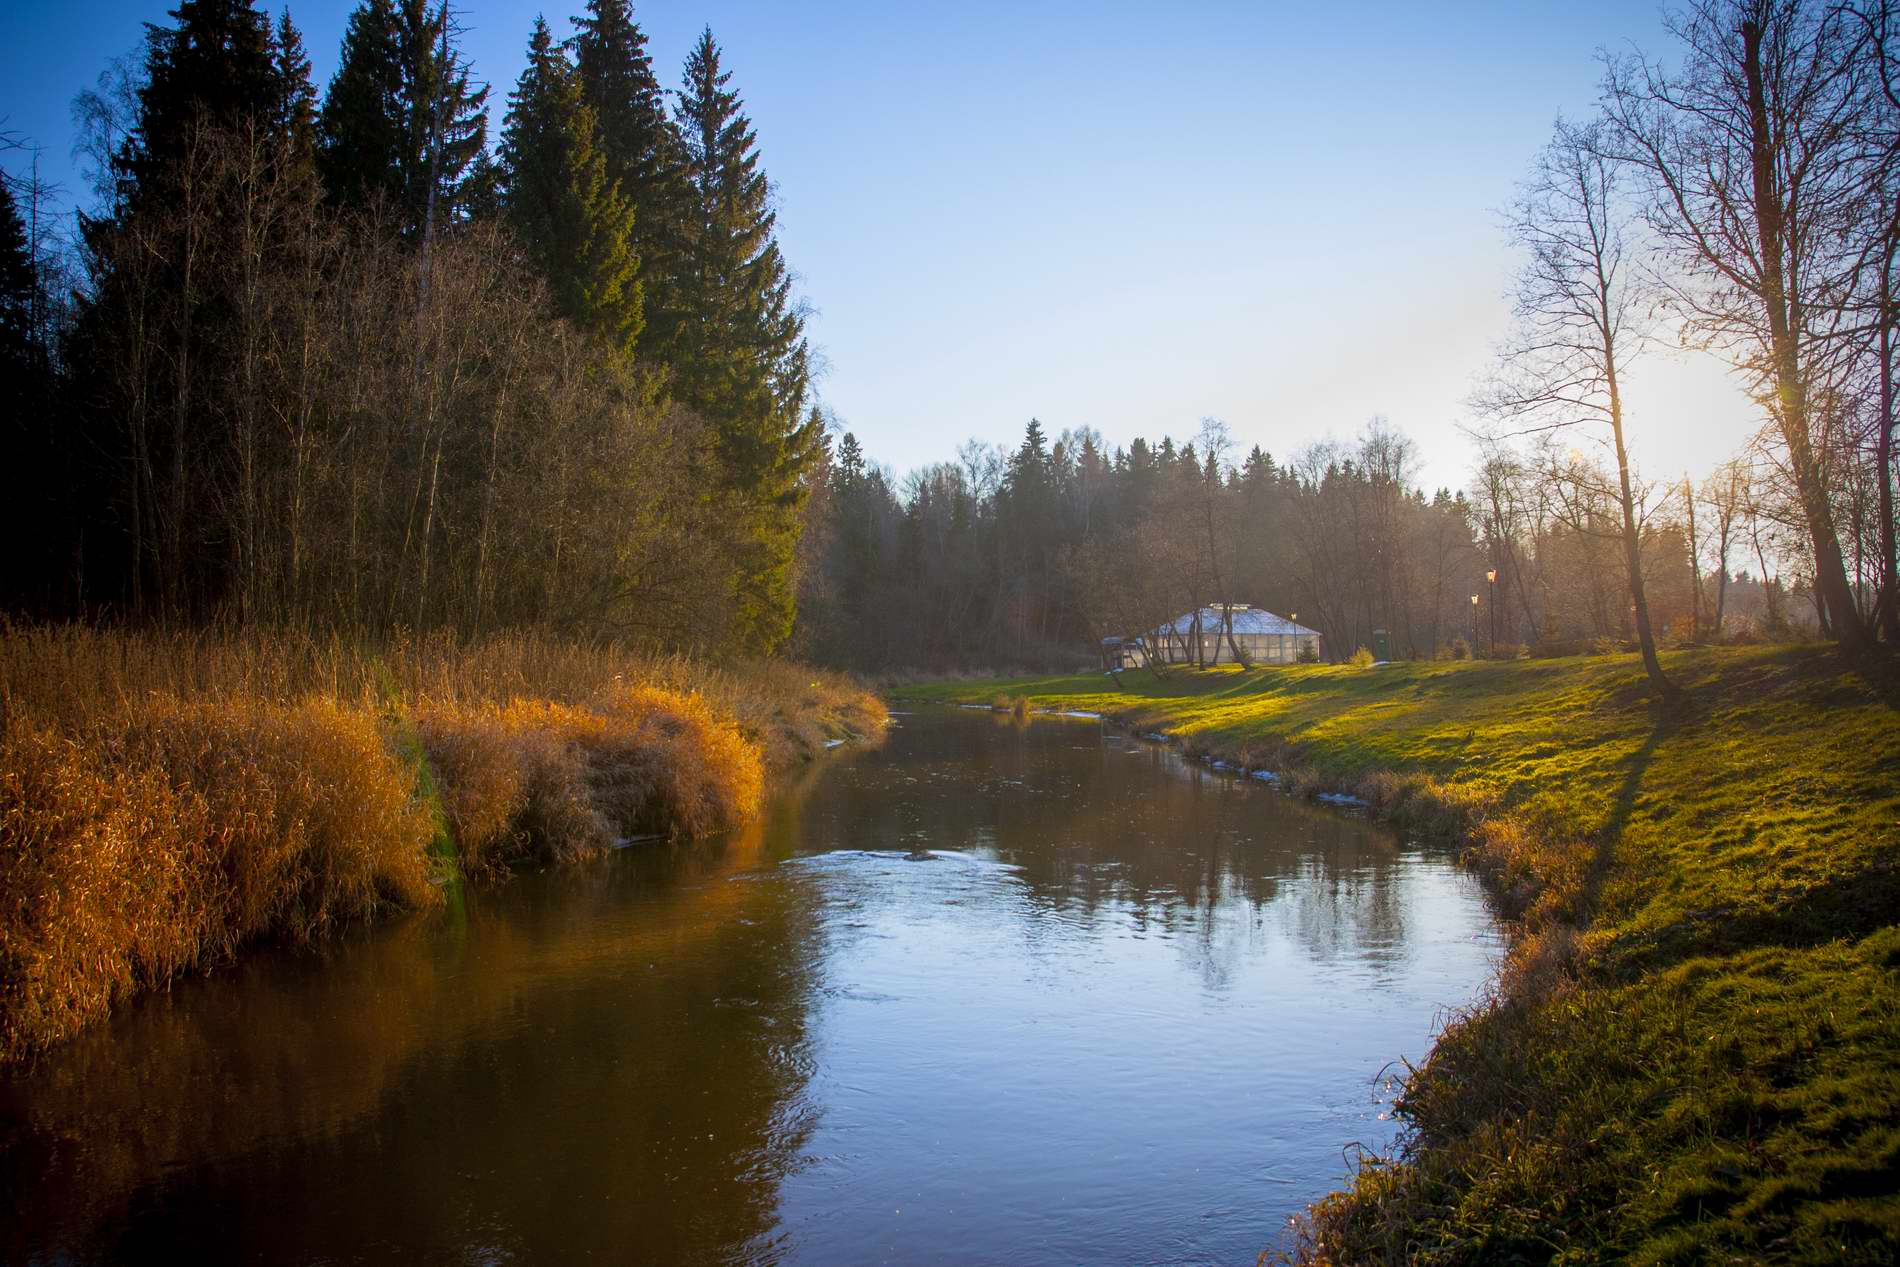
(344, 359)
(340, 361)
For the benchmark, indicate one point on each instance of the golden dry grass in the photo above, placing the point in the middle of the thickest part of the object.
(563, 781)
(137, 850)
(167, 797)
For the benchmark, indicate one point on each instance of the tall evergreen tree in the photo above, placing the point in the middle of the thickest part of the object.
(214, 88)
(23, 363)
(294, 108)
(644, 154)
(359, 132)
(404, 116)
(33, 498)
(560, 201)
(741, 357)
(19, 283)
(217, 67)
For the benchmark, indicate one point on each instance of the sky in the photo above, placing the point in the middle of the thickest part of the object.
(1126, 217)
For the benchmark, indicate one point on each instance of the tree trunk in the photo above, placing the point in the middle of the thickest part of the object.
(1695, 564)
(1632, 546)
(1830, 572)
(1889, 613)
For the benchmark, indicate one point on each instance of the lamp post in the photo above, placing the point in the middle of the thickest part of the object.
(1474, 621)
(1491, 576)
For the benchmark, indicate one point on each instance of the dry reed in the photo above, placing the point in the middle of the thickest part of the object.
(166, 798)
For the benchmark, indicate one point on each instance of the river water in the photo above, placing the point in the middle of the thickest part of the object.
(990, 993)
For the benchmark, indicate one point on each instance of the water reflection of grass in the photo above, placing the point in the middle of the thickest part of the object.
(1694, 1051)
(282, 1049)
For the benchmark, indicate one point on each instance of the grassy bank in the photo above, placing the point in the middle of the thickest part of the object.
(165, 799)
(1693, 1052)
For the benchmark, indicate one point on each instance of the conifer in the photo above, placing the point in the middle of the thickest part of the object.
(643, 151)
(19, 291)
(741, 358)
(562, 205)
(214, 67)
(294, 107)
(403, 109)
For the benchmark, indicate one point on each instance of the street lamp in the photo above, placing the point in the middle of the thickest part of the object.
(1474, 619)
(1491, 575)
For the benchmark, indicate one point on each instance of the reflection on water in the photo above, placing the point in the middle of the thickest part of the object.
(989, 993)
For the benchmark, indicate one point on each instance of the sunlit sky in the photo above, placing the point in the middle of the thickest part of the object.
(1119, 216)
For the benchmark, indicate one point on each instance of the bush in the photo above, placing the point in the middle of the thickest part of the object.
(1016, 706)
(1309, 654)
(1361, 659)
(1460, 649)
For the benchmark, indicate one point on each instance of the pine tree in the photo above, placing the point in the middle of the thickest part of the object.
(19, 296)
(557, 195)
(215, 67)
(35, 501)
(741, 358)
(403, 116)
(294, 108)
(644, 154)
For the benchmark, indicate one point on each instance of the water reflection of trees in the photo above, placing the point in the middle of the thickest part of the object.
(1114, 831)
(608, 1060)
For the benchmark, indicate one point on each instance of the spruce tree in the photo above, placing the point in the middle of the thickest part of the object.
(403, 110)
(741, 358)
(35, 501)
(214, 67)
(557, 196)
(358, 132)
(294, 106)
(643, 151)
(19, 295)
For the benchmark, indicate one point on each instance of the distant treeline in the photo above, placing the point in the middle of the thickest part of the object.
(1025, 557)
(338, 359)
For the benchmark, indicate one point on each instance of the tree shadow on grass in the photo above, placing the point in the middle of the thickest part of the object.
(1847, 905)
(1667, 719)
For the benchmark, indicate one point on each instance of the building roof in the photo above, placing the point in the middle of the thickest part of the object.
(1247, 620)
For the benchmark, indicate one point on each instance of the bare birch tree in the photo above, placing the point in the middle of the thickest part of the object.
(1581, 316)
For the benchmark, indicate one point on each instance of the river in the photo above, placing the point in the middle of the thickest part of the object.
(989, 993)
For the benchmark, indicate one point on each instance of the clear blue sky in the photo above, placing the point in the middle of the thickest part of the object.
(1120, 216)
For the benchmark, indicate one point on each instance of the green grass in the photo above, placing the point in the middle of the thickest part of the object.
(1693, 1052)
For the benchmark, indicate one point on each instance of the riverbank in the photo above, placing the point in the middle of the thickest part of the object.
(166, 799)
(1693, 1051)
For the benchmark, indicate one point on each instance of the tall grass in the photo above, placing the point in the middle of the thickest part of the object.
(562, 781)
(166, 798)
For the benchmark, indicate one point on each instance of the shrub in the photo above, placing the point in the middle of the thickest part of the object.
(1460, 649)
(1309, 654)
(1361, 659)
(1017, 706)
